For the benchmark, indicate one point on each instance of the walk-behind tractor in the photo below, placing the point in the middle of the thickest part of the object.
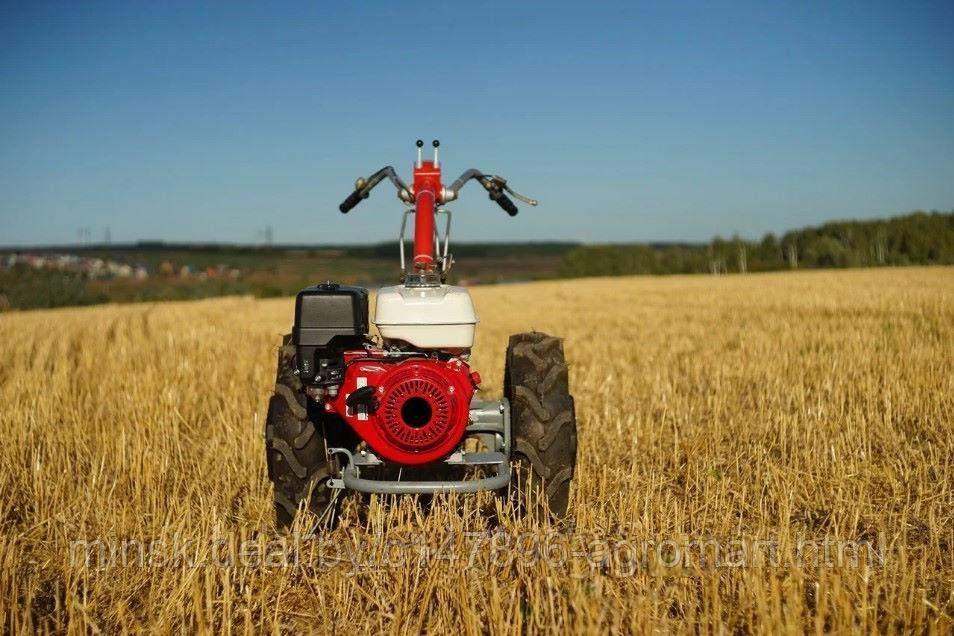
(398, 414)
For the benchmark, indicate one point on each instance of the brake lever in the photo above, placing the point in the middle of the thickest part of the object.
(501, 183)
(517, 195)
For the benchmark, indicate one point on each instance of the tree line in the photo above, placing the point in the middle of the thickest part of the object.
(919, 238)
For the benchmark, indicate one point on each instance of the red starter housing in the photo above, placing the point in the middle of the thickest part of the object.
(420, 406)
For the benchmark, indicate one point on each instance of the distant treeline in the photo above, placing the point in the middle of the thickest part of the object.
(280, 270)
(152, 250)
(917, 238)
(470, 250)
(25, 288)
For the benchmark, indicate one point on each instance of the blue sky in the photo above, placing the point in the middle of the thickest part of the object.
(630, 122)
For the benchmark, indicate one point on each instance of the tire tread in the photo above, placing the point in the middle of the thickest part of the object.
(295, 447)
(543, 419)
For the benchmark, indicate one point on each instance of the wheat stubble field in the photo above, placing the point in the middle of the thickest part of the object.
(802, 410)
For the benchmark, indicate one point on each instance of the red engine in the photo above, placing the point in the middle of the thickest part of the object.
(414, 411)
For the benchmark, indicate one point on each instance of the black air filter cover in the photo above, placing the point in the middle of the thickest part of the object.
(328, 310)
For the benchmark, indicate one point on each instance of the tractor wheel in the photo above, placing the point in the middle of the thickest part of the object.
(543, 425)
(295, 448)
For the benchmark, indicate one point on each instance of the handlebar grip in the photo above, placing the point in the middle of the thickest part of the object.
(353, 199)
(504, 201)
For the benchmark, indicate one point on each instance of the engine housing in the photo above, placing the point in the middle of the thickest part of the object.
(430, 317)
(411, 412)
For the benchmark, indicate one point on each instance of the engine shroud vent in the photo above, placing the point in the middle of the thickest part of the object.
(420, 408)
(416, 413)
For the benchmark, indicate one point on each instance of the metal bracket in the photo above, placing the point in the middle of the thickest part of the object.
(461, 458)
(487, 418)
(441, 253)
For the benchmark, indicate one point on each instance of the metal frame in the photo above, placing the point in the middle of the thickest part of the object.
(489, 420)
(445, 265)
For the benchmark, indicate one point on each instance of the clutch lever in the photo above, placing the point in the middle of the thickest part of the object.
(523, 198)
(500, 182)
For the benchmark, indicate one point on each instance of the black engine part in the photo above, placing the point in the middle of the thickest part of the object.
(328, 318)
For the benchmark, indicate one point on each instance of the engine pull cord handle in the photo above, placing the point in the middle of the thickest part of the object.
(364, 395)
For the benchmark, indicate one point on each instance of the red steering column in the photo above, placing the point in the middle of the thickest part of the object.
(427, 192)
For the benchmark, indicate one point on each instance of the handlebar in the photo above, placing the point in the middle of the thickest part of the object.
(353, 199)
(496, 187)
(363, 188)
(504, 201)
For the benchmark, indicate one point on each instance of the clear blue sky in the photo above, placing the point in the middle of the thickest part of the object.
(198, 121)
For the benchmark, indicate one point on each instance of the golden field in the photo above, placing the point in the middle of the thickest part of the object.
(798, 411)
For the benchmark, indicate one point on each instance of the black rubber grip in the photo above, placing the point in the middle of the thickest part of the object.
(353, 199)
(504, 201)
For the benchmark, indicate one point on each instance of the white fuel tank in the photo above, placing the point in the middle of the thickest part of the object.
(427, 317)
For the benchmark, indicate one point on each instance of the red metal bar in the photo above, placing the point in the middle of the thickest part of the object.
(427, 191)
